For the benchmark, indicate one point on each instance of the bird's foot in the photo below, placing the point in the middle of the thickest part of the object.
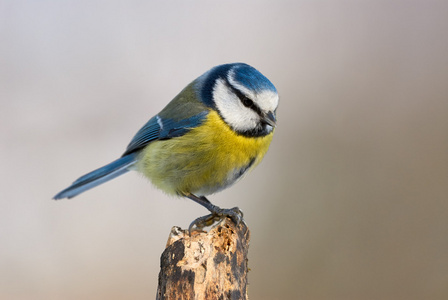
(218, 214)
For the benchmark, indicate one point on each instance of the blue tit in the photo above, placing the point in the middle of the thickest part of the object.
(211, 134)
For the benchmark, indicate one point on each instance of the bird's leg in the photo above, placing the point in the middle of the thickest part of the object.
(216, 215)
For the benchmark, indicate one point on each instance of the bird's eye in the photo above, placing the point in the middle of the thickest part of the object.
(247, 102)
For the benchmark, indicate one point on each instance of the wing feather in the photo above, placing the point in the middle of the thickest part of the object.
(158, 128)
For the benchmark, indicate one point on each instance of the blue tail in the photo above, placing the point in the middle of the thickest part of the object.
(99, 176)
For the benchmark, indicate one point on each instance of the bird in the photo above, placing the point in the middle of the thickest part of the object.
(208, 137)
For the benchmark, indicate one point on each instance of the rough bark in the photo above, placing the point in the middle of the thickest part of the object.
(205, 265)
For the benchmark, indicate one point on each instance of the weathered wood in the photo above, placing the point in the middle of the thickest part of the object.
(205, 265)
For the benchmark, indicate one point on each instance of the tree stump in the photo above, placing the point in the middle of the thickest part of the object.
(205, 265)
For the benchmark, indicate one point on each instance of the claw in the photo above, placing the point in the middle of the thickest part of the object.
(235, 214)
(202, 222)
(217, 213)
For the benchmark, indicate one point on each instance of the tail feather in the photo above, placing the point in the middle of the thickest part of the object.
(99, 176)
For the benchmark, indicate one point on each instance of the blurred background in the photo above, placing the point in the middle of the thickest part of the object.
(349, 203)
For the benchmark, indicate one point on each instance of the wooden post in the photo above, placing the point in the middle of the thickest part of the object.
(205, 265)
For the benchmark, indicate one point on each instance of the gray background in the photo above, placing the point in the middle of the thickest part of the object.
(349, 203)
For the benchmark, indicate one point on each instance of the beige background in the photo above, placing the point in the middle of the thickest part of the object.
(351, 201)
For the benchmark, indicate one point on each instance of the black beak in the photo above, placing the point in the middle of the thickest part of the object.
(269, 119)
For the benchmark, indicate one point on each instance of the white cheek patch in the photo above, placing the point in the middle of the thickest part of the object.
(232, 110)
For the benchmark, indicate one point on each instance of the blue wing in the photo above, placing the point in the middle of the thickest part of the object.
(159, 128)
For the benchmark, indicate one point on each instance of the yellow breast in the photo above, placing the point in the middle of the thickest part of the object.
(204, 160)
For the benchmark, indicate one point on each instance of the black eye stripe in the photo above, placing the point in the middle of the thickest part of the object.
(247, 102)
